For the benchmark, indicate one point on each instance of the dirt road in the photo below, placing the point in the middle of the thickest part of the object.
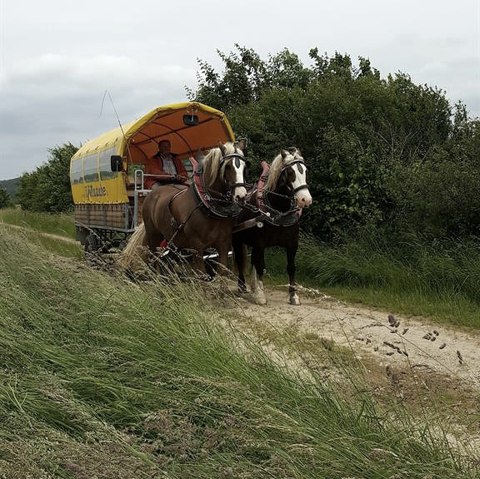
(389, 339)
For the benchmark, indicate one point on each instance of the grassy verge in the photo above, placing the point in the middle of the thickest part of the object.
(103, 378)
(441, 281)
(45, 229)
(56, 224)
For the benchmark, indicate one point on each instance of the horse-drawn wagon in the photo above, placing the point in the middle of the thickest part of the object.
(108, 173)
(112, 204)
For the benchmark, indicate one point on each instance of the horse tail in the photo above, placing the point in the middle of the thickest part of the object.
(135, 253)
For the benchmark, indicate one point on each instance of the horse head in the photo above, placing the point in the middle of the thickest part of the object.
(289, 172)
(225, 171)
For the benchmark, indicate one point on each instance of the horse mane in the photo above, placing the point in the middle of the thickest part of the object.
(212, 161)
(278, 164)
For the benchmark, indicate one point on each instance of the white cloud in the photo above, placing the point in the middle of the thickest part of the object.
(53, 99)
(57, 60)
(54, 74)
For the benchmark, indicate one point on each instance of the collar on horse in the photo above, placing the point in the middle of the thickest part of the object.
(220, 207)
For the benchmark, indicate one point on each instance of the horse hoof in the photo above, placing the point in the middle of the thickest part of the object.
(259, 299)
(295, 300)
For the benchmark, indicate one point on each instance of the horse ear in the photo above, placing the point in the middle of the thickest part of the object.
(242, 144)
(199, 155)
(222, 148)
(292, 150)
(284, 154)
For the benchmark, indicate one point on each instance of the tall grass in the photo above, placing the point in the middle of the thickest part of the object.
(409, 274)
(46, 229)
(100, 377)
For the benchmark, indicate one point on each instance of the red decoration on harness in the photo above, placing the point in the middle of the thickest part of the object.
(198, 183)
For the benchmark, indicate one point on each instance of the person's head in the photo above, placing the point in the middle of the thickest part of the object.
(164, 146)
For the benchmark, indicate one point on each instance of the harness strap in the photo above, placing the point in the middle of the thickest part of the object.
(198, 185)
(301, 187)
(178, 193)
(257, 221)
(180, 225)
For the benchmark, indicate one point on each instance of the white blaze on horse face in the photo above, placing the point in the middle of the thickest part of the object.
(240, 192)
(303, 196)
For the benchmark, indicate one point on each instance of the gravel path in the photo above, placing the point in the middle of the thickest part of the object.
(389, 338)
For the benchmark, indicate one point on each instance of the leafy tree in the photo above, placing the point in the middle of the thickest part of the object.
(364, 137)
(247, 77)
(48, 187)
(4, 198)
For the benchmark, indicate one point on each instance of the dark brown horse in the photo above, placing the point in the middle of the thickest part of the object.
(177, 217)
(276, 205)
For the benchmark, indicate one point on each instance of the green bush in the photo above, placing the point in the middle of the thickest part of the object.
(5, 201)
(47, 189)
(376, 147)
(439, 198)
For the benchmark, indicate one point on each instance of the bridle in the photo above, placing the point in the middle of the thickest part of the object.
(292, 215)
(303, 165)
(221, 206)
(237, 157)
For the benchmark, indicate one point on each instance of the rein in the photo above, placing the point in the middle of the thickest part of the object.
(169, 243)
(261, 186)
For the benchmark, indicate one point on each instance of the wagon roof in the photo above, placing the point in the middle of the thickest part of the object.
(166, 122)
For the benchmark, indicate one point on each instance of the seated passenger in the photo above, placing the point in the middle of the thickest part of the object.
(165, 163)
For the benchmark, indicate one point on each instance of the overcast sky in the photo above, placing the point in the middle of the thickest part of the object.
(58, 57)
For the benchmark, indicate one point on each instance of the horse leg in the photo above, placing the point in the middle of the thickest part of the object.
(258, 262)
(240, 255)
(223, 260)
(292, 287)
(199, 264)
(222, 271)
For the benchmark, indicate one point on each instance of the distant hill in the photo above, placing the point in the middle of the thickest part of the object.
(10, 186)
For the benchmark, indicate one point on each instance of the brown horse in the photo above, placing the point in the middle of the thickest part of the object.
(275, 208)
(198, 217)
